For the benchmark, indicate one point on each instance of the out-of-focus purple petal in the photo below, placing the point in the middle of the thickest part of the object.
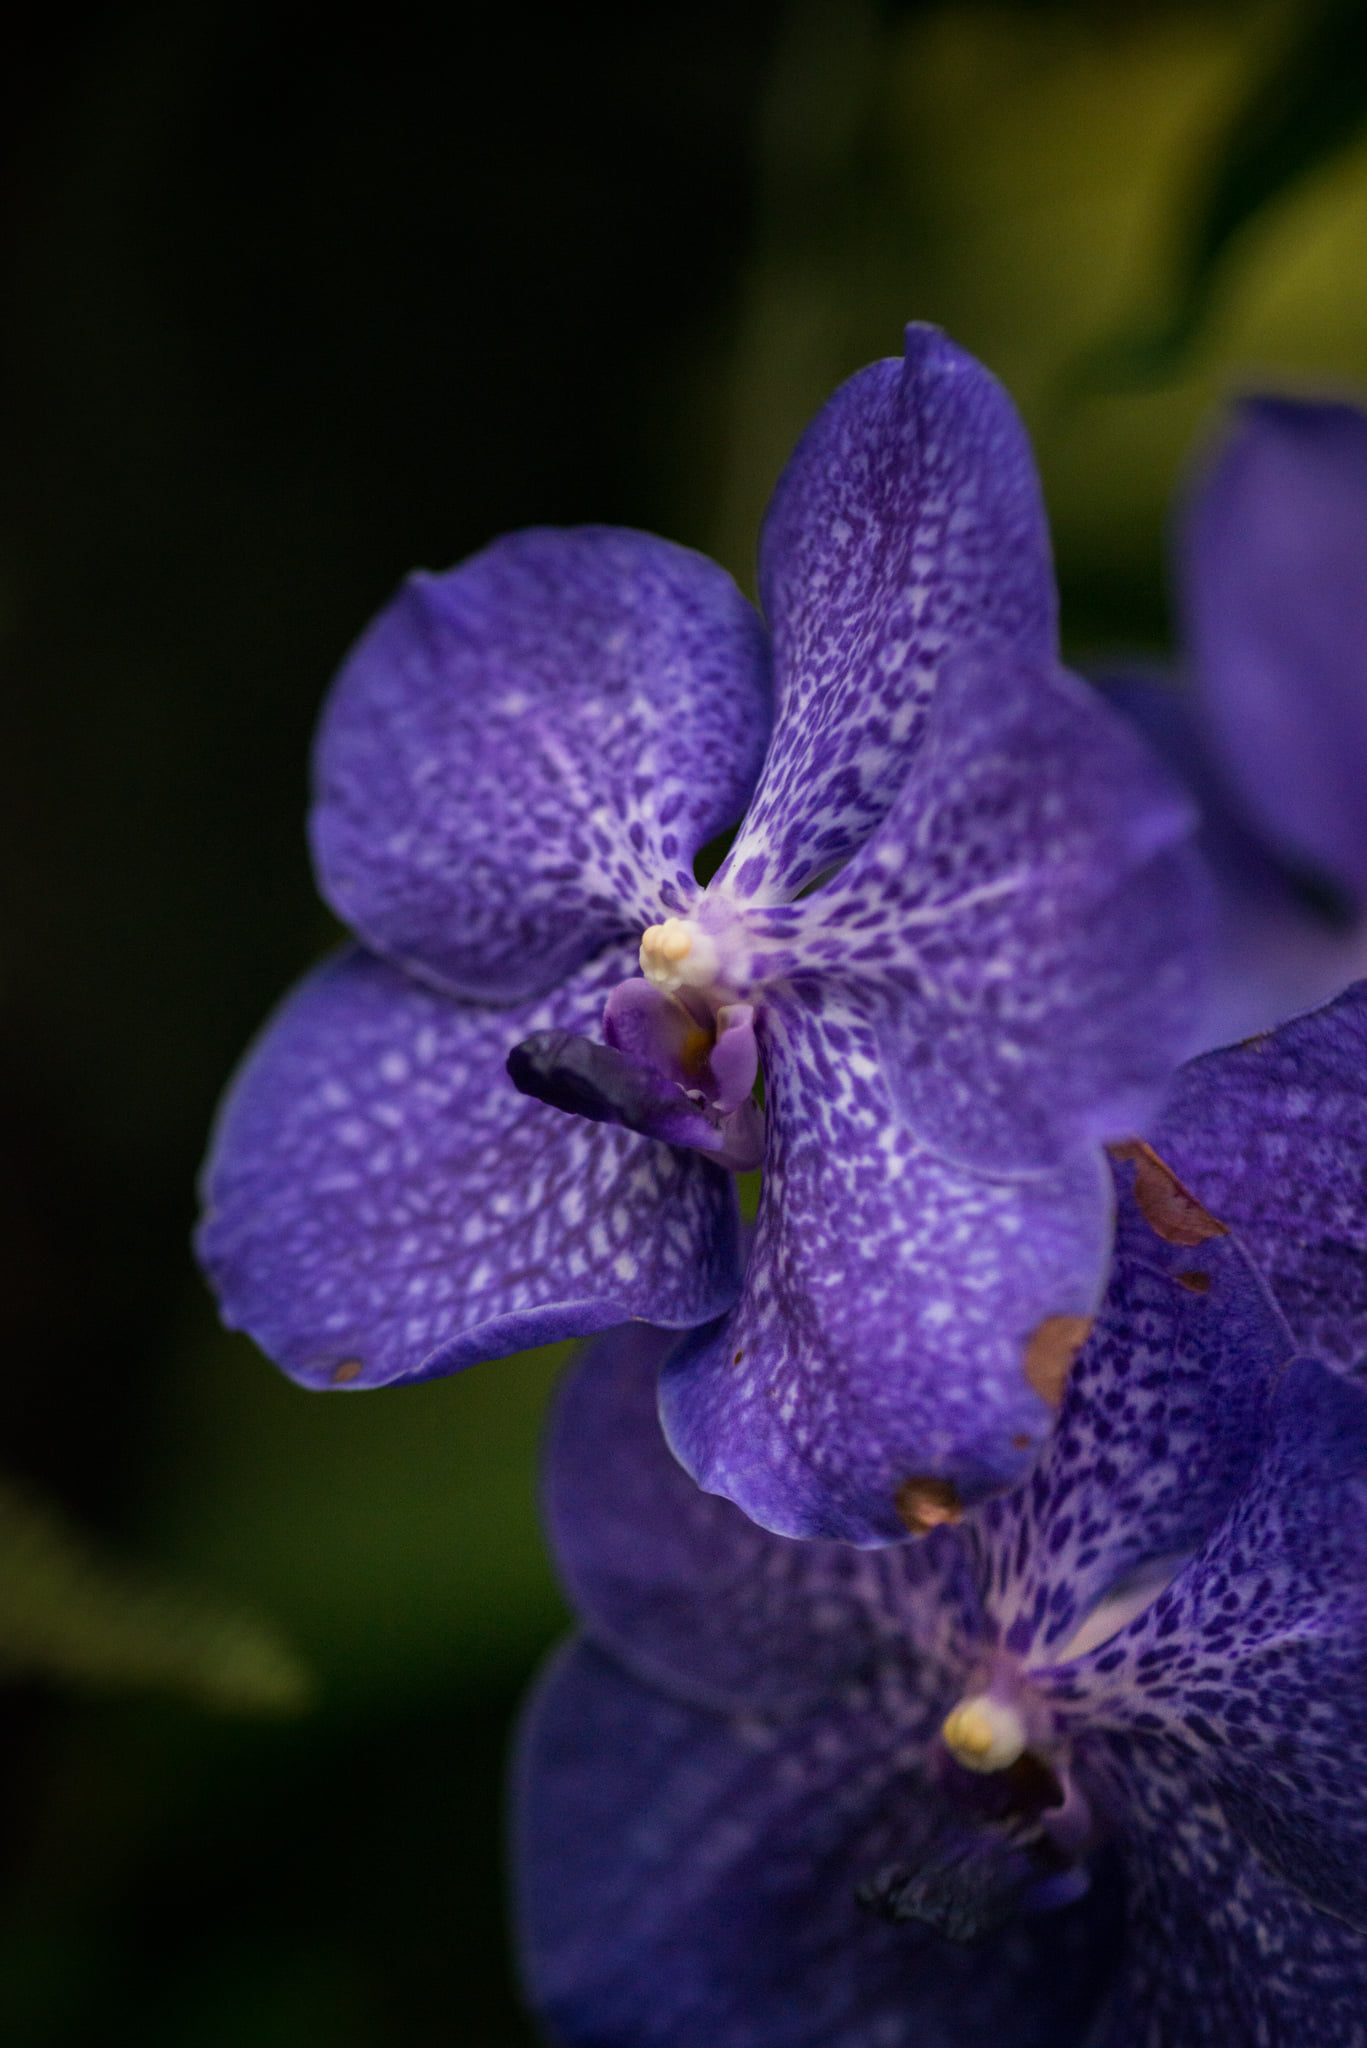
(1253, 1664)
(1218, 1953)
(685, 1878)
(1281, 943)
(1029, 920)
(1272, 1136)
(382, 1204)
(692, 1595)
(1275, 595)
(520, 757)
(889, 1301)
(1163, 1419)
(907, 529)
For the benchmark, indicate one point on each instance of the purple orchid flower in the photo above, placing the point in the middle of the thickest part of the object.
(1270, 726)
(1084, 1766)
(956, 931)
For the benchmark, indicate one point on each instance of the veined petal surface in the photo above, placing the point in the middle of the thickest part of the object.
(1028, 921)
(1276, 603)
(1272, 1135)
(889, 1300)
(382, 1204)
(688, 1877)
(1164, 1418)
(1252, 1666)
(1218, 1953)
(520, 757)
(907, 529)
(693, 1596)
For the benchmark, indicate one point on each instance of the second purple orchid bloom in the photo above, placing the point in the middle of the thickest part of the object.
(956, 934)
(1268, 723)
(1084, 1771)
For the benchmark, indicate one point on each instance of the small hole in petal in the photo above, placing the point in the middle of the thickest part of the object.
(1199, 1283)
(924, 1502)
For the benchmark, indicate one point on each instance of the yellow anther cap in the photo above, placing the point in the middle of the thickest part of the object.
(984, 1734)
(677, 954)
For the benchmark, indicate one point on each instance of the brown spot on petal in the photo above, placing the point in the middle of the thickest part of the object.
(1021, 1443)
(1199, 1283)
(349, 1369)
(1171, 1211)
(1050, 1353)
(923, 1503)
(738, 1357)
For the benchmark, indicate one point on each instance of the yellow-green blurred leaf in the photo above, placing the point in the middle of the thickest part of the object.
(1300, 111)
(69, 1614)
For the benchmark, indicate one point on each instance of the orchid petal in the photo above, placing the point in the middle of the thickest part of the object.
(1163, 1420)
(1276, 601)
(382, 1204)
(1217, 1952)
(521, 757)
(1272, 1135)
(1282, 942)
(1028, 919)
(907, 529)
(1252, 1666)
(693, 1596)
(889, 1302)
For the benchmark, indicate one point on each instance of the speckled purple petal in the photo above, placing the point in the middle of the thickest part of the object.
(691, 1595)
(382, 1204)
(888, 1303)
(1030, 920)
(1252, 1666)
(1272, 1136)
(1276, 605)
(688, 1879)
(520, 757)
(1218, 1952)
(907, 528)
(1163, 1420)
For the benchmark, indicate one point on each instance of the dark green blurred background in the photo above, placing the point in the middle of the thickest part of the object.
(295, 299)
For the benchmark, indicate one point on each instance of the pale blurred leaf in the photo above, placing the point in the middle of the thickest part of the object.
(69, 1614)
